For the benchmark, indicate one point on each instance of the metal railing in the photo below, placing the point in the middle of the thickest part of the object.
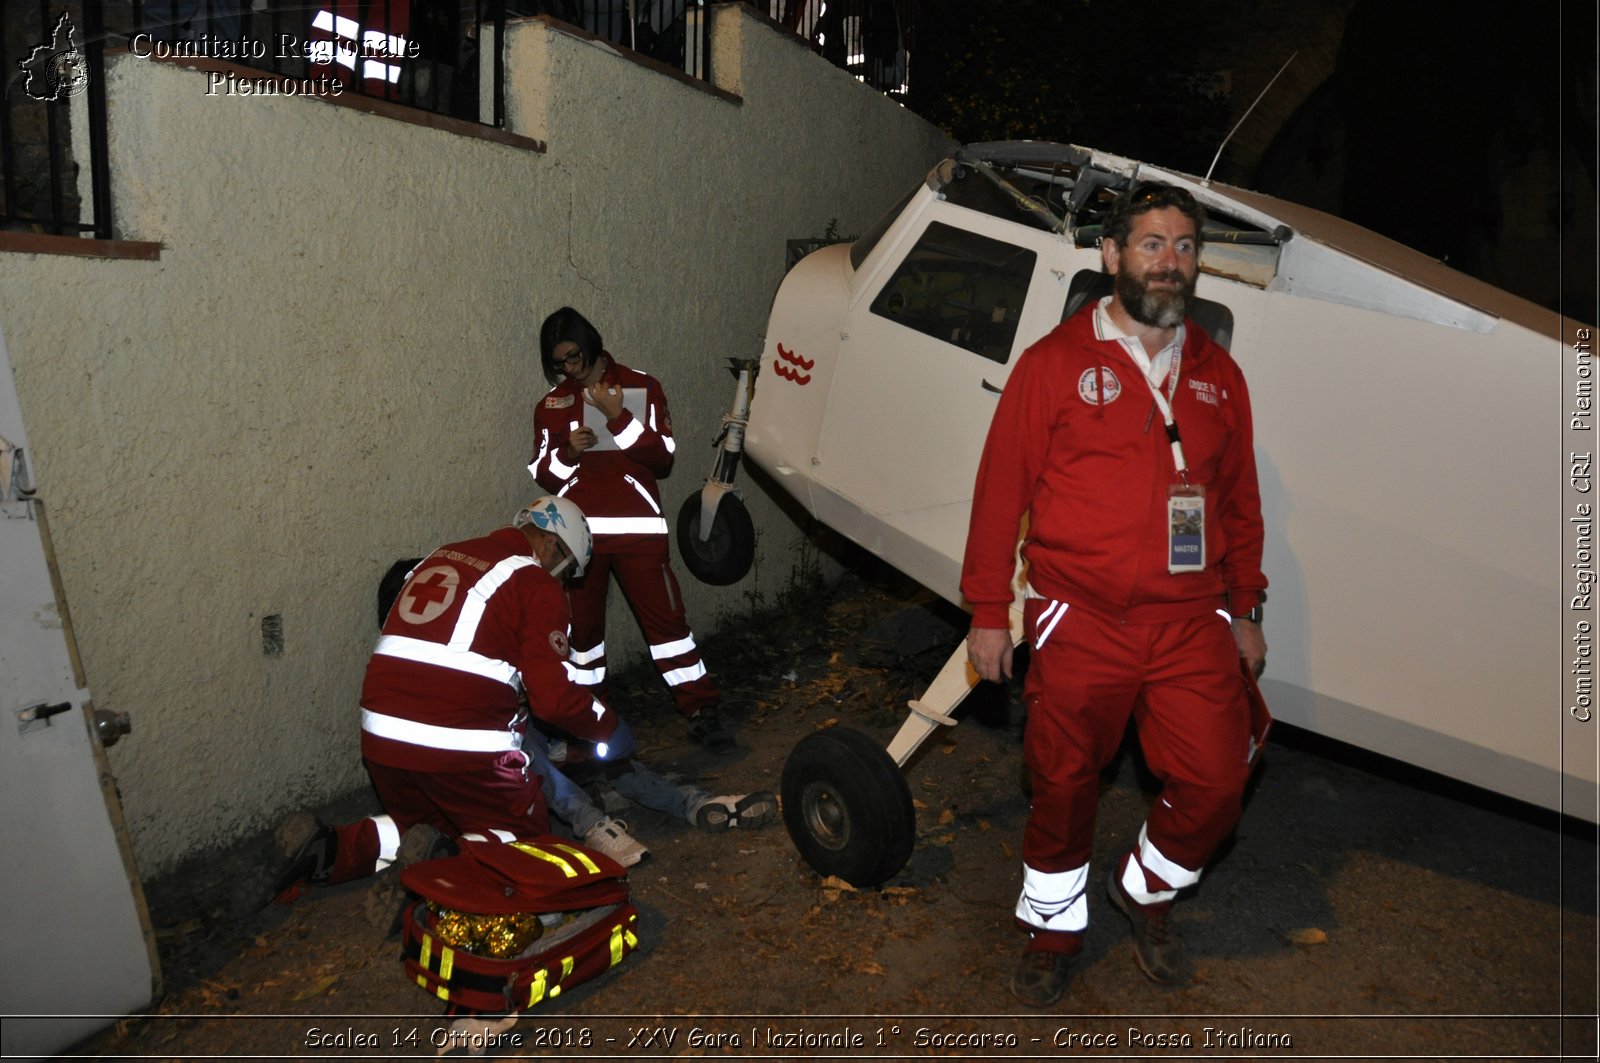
(420, 53)
(674, 32)
(54, 54)
(416, 53)
(872, 39)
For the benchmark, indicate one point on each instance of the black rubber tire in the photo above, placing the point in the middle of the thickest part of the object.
(726, 556)
(389, 587)
(847, 807)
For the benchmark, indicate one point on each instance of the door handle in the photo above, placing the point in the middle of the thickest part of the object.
(990, 387)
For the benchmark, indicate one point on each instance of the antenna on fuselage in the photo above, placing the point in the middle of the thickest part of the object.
(1240, 122)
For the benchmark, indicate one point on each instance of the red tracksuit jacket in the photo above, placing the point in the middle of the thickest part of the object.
(616, 489)
(476, 622)
(1094, 478)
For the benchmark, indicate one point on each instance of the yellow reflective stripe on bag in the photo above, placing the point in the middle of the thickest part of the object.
(536, 987)
(533, 850)
(582, 858)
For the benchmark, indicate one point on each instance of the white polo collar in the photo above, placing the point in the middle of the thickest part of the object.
(1106, 328)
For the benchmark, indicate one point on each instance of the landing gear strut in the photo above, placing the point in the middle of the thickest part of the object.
(716, 536)
(845, 800)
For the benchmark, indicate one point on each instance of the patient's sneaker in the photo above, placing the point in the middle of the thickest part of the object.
(745, 811)
(610, 836)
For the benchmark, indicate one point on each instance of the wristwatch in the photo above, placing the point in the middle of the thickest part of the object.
(1254, 615)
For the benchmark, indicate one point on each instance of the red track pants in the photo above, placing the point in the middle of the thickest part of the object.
(502, 798)
(651, 588)
(1180, 681)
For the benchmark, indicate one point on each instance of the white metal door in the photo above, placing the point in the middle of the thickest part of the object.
(80, 952)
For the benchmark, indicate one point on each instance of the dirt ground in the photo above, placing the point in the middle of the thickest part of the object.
(1363, 911)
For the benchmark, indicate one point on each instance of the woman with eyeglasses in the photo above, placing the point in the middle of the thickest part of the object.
(602, 435)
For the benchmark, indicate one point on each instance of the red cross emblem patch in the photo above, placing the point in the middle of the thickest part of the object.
(429, 593)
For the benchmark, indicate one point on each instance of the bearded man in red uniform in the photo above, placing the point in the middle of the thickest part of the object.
(1125, 436)
(602, 437)
(477, 625)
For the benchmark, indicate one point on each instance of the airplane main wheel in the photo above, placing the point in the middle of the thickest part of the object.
(847, 807)
(726, 554)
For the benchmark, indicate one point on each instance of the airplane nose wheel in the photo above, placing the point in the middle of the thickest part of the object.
(725, 555)
(847, 807)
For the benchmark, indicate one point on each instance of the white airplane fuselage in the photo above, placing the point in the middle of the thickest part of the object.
(1407, 427)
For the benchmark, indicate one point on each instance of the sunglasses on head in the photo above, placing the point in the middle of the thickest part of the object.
(1165, 195)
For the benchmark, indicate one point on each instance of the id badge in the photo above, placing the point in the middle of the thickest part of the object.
(1186, 528)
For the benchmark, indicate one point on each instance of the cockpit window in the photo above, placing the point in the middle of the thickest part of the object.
(1025, 202)
(1232, 248)
(962, 288)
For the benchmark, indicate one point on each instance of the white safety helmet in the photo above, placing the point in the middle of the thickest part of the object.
(565, 521)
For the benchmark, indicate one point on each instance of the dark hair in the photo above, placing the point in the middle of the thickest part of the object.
(1145, 197)
(564, 325)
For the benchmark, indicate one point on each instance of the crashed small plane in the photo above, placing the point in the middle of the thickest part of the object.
(1405, 438)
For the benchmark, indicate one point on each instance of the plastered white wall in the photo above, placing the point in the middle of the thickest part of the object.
(334, 364)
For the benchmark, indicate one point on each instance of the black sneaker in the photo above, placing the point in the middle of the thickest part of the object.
(1156, 946)
(1041, 976)
(705, 727)
(302, 850)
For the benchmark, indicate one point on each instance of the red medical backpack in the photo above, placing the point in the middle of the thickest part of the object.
(504, 925)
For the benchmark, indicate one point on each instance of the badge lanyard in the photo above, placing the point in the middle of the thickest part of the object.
(1135, 351)
(1186, 502)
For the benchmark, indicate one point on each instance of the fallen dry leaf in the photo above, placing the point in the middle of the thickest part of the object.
(317, 988)
(946, 818)
(834, 882)
(1308, 936)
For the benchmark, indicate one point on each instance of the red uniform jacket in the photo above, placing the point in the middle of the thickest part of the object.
(1094, 477)
(615, 487)
(476, 623)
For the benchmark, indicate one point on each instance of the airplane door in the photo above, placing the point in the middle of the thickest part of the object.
(79, 951)
(928, 344)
